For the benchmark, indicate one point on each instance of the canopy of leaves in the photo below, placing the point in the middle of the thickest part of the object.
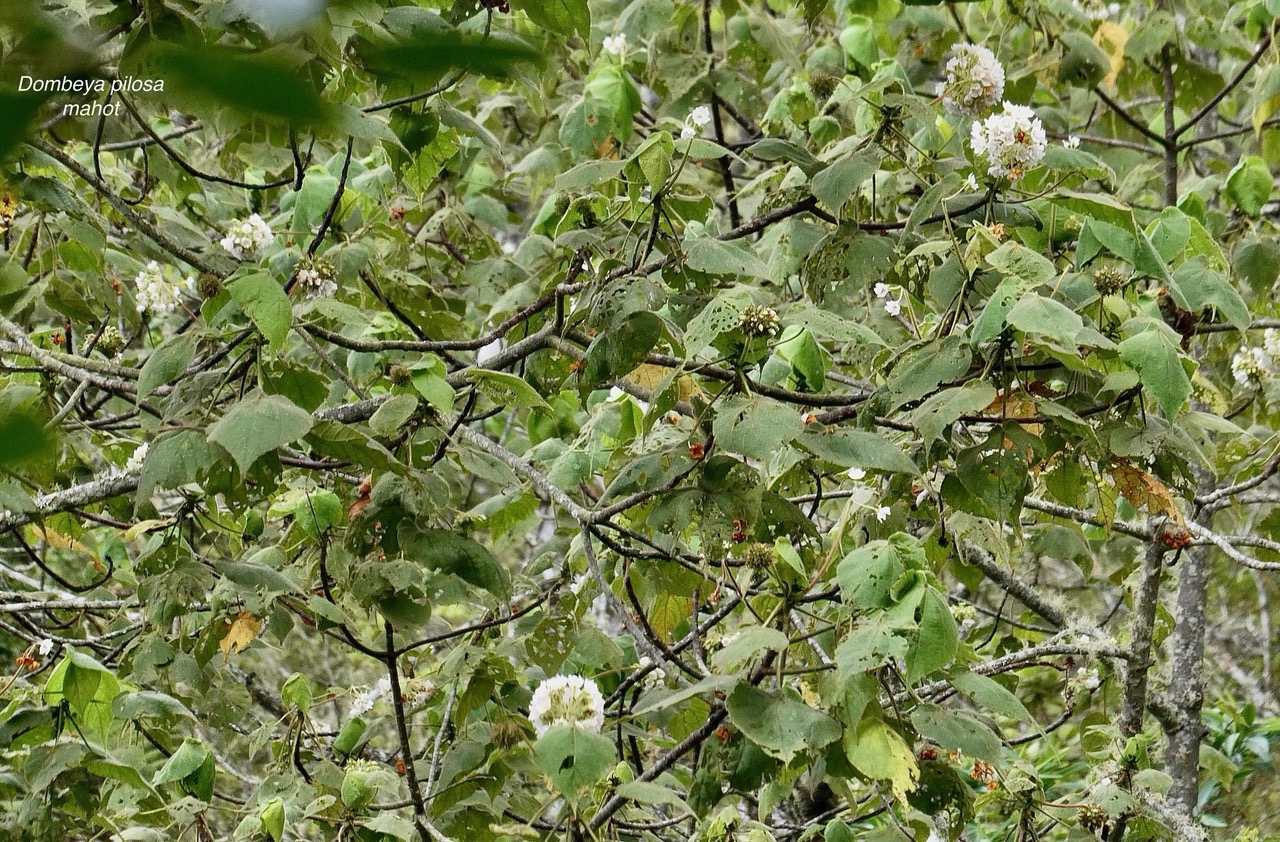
(888, 470)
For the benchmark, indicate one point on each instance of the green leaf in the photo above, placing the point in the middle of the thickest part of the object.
(254, 83)
(918, 372)
(1200, 287)
(562, 16)
(427, 53)
(858, 449)
(936, 643)
(393, 414)
(778, 725)
(316, 511)
(431, 380)
(718, 257)
(88, 688)
(446, 552)
(23, 436)
(808, 360)
(272, 818)
(573, 758)
(166, 362)
(719, 316)
(1249, 185)
(991, 694)
(957, 731)
(616, 352)
(20, 110)
(141, 704)
(1018, 261)
(835, 184)
(879, 752)
(776, 149)
(991, 322)
(936, 415)
(264, 301)
(191, 766)
(756, 427)
(867, 575)
(1040, 316)
(1170, 234)
(504, 388)
(1157, 359)
(258, 425)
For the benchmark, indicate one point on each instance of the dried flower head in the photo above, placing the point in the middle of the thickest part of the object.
(757, 320)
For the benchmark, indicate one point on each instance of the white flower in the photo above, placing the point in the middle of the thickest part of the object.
(135, 459)
(1072, 142)
(567, 700)
(1250, 365)
(417, 691)
(155, 293)
(1271, 342)
(975, 81)
(882, 513)
(317, 277)
(892, 307)
(44, 647)
(366, 700)
(688, 132)
(248, 238)
(1097, 10)
(1088, 678)
(1012, 141)
(856, 474)
(615, 44)
(971, 182)
(881, 290)
(700, 116)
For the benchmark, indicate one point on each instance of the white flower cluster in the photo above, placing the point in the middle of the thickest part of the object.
(1251, 365)
(366, 700)
(136, 458)
(567, 700)
(248, 239)
(1088, 679)
(698, 119)
(1097, 10)
(892, 301)
(656, 677)
(616, 45)
(416, 691)
(317, 277)
(1012, 141)
(155, 293)
(975, 81)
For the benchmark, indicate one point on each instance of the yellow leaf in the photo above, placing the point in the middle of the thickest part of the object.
(668, 612)
(651, 377)
(65, 542)
(1143, 491)
(144, 526)
(1112, 37)
(242, 632)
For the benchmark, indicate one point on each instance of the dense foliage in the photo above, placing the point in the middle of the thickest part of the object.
(638, 420)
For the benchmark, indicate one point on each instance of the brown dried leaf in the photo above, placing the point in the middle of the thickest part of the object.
(1143, 491)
